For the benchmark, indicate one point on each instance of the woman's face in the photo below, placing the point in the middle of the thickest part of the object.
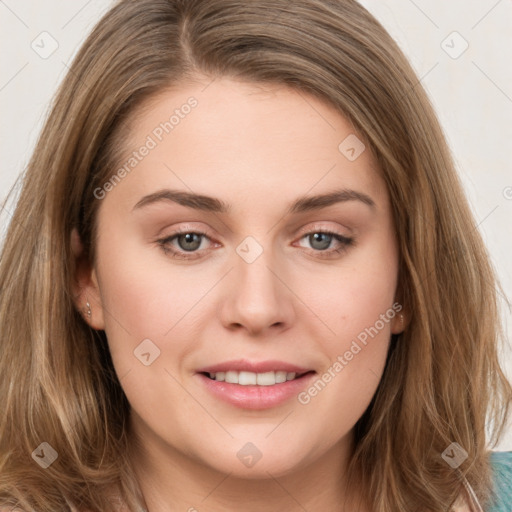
(266, 173)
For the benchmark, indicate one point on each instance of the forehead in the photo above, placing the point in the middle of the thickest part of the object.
(244, 143)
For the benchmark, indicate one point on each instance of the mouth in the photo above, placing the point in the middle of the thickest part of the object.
(249, 385)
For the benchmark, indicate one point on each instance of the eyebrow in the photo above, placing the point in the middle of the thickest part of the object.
(212, 204)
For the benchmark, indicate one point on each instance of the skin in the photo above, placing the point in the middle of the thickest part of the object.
(258, 148)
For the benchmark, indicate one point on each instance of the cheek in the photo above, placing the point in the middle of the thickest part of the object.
(146, 297)
(359, 309)
(360, 316)
(358, 294)
(357, 302)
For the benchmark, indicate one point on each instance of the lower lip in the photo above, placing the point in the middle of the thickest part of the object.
(256, 397)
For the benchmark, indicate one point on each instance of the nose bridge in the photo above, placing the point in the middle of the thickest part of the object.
(253, 263)
(258, 298)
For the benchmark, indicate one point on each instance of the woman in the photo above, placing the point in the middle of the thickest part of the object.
(242, 271)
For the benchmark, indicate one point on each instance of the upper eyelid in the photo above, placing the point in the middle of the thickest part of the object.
(207, 232)
(321, 228)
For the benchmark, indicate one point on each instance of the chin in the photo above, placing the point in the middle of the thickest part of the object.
(250, 462)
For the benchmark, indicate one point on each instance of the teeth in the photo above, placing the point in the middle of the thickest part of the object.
(251, 379)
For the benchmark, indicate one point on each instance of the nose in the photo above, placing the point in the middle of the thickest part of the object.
(257, 298)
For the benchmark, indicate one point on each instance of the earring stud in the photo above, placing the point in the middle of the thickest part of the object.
(88, 306)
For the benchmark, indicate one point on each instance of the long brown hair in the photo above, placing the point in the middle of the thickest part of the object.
(442, 383)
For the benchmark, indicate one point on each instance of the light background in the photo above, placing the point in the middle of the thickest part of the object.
(471, 93)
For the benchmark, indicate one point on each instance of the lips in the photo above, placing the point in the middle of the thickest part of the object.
(254, 385)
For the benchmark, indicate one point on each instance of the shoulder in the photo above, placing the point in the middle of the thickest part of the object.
(501, 466)
(501, 463)
(501, 460)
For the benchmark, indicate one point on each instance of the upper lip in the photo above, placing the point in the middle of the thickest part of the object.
(244, 365)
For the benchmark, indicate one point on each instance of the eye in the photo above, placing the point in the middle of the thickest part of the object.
(183, 244)
(322, 241)
(188, 244)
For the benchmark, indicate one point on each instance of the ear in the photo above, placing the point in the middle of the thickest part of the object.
(85, 288)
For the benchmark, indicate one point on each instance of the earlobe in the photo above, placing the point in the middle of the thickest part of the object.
(85, 287)
(399, 322)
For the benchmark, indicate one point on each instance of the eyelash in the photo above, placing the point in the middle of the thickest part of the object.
(343, 240)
